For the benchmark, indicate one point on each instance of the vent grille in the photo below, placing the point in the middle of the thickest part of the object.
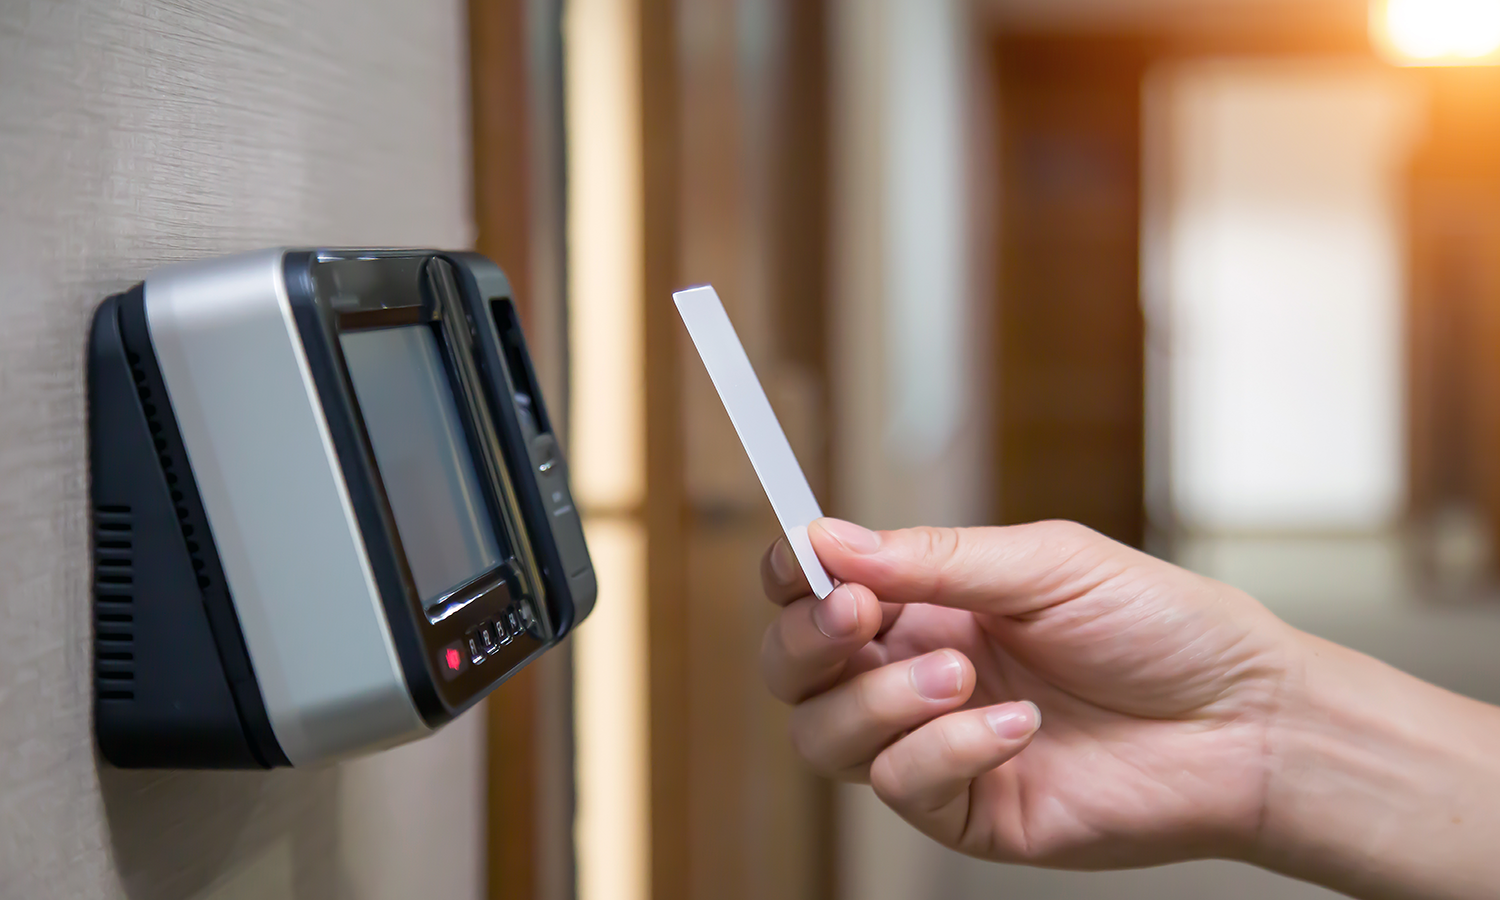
(173, 466)
(114, 603)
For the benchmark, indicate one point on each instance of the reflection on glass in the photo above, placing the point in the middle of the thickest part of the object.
(412, 418)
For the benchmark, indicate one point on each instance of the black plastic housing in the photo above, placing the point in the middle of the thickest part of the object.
(173, 687)
(545, 498)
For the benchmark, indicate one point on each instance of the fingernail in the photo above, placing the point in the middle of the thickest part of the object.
(837, 616)
(938, 677)
(784, 562)
(854, 538)
(1014, 721)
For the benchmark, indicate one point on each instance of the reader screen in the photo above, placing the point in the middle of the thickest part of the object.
(412, 418)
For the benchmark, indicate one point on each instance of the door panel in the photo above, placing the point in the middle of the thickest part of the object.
(1071, 374)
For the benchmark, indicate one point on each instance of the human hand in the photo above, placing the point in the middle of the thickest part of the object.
(1156, 690)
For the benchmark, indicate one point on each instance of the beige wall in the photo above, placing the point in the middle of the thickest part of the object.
(131, 134)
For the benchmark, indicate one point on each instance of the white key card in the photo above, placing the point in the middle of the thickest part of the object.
(755, 422)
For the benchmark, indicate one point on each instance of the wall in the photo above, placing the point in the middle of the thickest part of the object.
(132, 134)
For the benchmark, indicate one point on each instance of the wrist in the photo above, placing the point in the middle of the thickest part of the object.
(1378, 784)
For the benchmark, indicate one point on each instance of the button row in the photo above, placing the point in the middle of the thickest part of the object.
(483, 641)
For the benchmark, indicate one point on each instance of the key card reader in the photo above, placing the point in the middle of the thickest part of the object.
(330, 512)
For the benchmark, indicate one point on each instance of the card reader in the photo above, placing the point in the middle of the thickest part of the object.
(330, 512)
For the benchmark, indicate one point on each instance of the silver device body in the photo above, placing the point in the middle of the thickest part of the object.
(275, 498)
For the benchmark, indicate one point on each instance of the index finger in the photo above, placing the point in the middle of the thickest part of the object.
(1013, 570)
(781, 575)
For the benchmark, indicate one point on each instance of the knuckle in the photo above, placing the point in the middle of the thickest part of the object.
(1068, 534)
(942, 550)
(1068, 549)
(937, 544)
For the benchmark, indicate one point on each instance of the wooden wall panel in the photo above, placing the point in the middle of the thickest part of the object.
(1070, 423)
(497, 59)
(1454, 312)
(517, 209)
(735, 173)
(671, 751)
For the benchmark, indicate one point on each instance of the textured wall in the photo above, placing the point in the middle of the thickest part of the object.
(132, 134)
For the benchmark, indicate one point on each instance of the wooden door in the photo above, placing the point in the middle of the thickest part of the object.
(514, 54)
(1454, 321)
(1071, 376)
(735, 158)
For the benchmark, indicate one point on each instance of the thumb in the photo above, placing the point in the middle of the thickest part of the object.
(1008, 571)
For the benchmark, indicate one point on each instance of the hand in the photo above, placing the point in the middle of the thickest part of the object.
(1036, 693)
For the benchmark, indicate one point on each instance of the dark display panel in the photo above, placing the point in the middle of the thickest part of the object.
(412, 419)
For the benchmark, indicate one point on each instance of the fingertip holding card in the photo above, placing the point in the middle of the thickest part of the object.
(759, 430)
(817, 576)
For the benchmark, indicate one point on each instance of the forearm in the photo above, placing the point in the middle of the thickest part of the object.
(1380, 785)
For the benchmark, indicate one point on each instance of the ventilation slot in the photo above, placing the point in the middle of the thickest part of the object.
(114, 603)
(173, 466)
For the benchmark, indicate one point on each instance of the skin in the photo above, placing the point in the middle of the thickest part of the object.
(1043, 695)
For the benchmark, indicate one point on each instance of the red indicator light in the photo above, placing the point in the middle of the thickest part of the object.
(453, 659)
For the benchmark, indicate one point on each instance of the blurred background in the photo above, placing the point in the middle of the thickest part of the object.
(1218, 278)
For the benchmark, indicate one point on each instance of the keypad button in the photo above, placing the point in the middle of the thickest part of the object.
(529, 622)
(488, 642)
(476, 654)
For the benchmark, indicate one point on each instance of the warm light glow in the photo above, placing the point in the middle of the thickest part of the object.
(610, 696)
(1438, 32)
(606, 322)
